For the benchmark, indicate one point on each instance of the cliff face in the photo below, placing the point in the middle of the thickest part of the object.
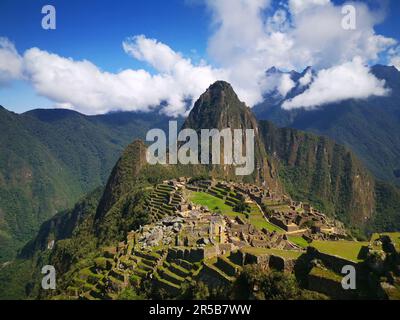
(318, 169)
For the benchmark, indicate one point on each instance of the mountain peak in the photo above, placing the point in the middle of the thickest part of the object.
(219, 107)
(221, 85)
(124, 175)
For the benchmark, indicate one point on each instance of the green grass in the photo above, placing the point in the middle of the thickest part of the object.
(298, 241)
(328, 274)
(211, 202)
(257, 219)
(288, 254)
(345, 249)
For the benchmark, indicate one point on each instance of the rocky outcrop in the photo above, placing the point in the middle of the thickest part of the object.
(219, 108)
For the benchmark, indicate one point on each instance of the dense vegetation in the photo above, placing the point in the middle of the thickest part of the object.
(256, 283)
(318, 170)
(388, 208)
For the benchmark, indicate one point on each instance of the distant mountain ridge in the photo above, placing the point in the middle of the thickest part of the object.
(52, 157)
(369, 127)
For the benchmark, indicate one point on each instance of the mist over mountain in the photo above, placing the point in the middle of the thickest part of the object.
(369, 127)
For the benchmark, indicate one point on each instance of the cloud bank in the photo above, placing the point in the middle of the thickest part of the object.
(247, 38)
(351, 80)
(96, 91)
(299, 33)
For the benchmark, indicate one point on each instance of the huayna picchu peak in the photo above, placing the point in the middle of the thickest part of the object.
(219, 107)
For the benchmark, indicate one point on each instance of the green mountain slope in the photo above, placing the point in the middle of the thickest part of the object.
(317, 169)
(50, 158)
(33, 184)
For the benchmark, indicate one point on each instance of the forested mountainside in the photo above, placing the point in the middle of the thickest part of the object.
(51, 158)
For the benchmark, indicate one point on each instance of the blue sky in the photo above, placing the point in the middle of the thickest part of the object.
(95, 31)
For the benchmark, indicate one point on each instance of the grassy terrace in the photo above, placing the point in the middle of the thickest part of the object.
(345, 249)
(256, 217)
(212, 203)
(288, 254)
(298, 241)
(328, 274)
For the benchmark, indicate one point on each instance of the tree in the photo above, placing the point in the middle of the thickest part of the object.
(195, 290)
(256, 283)
(130, 294)
(241, 205)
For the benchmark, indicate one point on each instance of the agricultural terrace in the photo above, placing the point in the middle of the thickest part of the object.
(213, 203)
(346, 249)
(287, 254)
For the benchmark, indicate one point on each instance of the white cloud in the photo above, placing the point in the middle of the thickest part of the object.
(306, 79)
(286, 84)
(305, 32)
(301, 33)
(395, 61)
(157, 54)
(239, 46)
(96, 91)
(189, 80)
(319, 35)
(10, 62)
(297, 6)
(350, 80)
